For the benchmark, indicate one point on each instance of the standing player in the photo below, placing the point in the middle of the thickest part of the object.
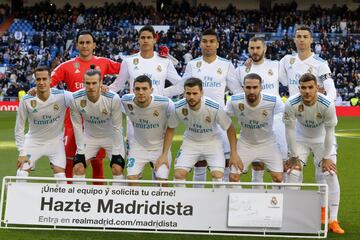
(72, 73)
(217, 74)
(255, 112)
(149, 114)
(202, 138)
(45, 113)
(292, 67)
(269, 72)
(309, 116)
(97, 122)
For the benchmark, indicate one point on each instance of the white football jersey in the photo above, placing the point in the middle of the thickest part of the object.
(201, 125)
(158, 69)
(269, 73)
(46, 118)
(291, 68)
(256, 122)
(310, 121)
(216, 76)
(149, 123)
(102, 119)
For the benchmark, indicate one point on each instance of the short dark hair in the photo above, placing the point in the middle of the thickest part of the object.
(42, 69)
(192, 82)
(255, 39)
(143, 78)
(253, 76)
(304, 28)
(307, 77)
(92, 72)
(211, 32)
(148, 28)
(84, 32)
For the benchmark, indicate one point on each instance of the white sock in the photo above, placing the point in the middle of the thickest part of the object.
(181, 183)
(119, 177)
(320, 178)
(294, 177)
(334, 194)
(78, 182)
(226, 174)
(258, 177)
(59, 176)
(218, 180)
(199, 176)
(21, 173)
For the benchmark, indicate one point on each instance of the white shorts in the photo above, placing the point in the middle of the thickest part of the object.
(225, 143)
(317, 149)
(138, 158)
(191, 151)
(93, 145)
(54, 150)
(280, 136)
(267, 153)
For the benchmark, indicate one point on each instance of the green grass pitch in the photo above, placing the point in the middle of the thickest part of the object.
(348, 137)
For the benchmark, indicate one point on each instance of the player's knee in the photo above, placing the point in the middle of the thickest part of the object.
(79, 169)
(116, 169)
(278, 177)
(117, 160)
(133, 177)
(180, 174)
(217, 174)
(258, 166)
(233, 177)
(201, 163)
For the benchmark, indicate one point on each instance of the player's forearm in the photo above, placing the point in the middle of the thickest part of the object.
(78, 132)
(231, 134)
(330, 89)
(329, 141)
(174, 90)
(291, 141)
(169, 135)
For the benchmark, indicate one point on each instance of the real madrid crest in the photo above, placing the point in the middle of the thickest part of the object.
(136, 61)
(185, 111)
(56, 107)
(198, 64)
(33, 103)
(219, 71)
(130, 107)
(156, 113)
(104, 111)
(159, 68)
(76, 65)
(247, 69)
(292, 60)
(83, 103)
(274, 201)
(318, 115)
(265, 113)
(301, 108)
(270, 72)
(208, 119)
(310, 70)
(241, 106)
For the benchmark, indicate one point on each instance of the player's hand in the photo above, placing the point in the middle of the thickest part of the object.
(104, 88)
(163, 159)
(321, 90)
(248, 63)
(236, 161)
(32, 91)
(21, 161)
(293, 163)
(328, 166)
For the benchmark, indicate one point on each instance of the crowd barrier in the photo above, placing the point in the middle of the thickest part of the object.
(158, 206)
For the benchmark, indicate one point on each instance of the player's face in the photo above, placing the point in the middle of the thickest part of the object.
(252, 89)
(257, 50)
(85, 45)
(146, 41)
(209, 44)
(308, 92)
(193, 96)
(92, 86)
(142, 91)
(303, 40)
(42, 81)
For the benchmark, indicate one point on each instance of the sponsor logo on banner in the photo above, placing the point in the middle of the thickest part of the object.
(9, 106)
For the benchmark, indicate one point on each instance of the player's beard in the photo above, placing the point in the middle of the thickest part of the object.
(193, 103)
(252, 98)
(258, 58)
